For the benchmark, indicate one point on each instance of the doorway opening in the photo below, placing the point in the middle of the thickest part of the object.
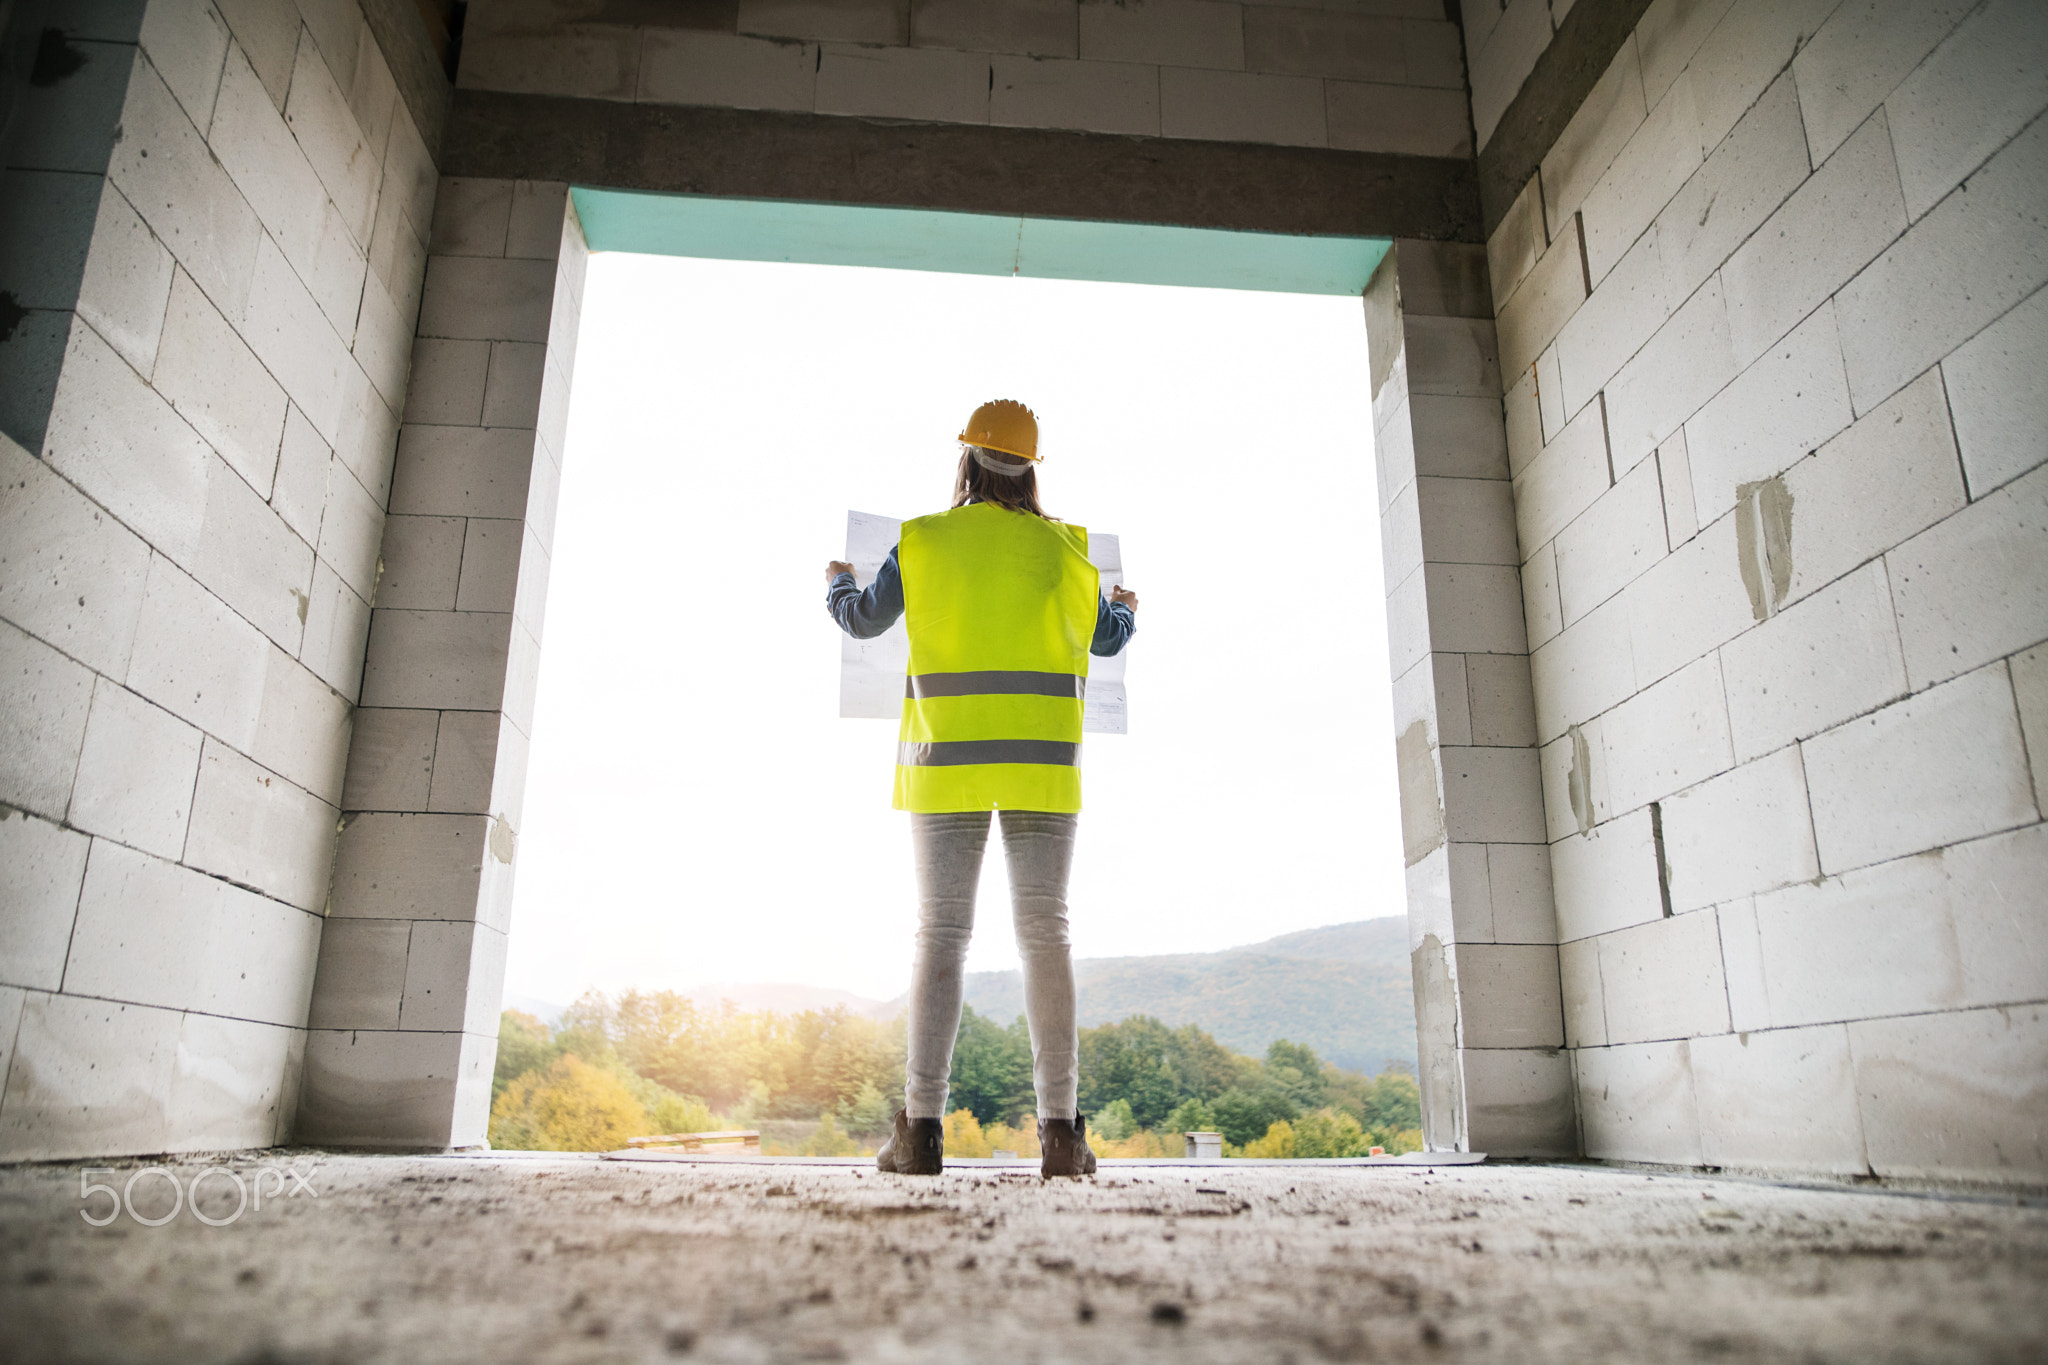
(700, 821)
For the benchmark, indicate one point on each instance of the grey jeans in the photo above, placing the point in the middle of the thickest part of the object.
(948, 849)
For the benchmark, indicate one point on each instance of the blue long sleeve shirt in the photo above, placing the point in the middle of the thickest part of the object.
(866, 613)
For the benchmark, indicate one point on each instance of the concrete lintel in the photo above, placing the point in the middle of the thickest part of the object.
(964, 168)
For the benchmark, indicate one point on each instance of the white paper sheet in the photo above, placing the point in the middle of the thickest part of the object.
(871, 671)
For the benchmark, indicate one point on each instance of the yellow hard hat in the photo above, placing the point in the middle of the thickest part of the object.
(1004, 425)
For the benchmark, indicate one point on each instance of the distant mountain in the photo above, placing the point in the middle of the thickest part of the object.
(786, 997)
(1343, 989)
(546, 1011)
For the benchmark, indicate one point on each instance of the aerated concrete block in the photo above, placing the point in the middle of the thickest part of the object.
(437, 659)
(290, 334)
(337, 627)
(78, 575)
(1660, 156)
(931, 84)
(1666, 738)
(462, 471)
(342, 152)
(1784, 1100)
(391, 760)
(1999, 411)
(1518, 1102)
(1624, 310)
(1744, 53)
(881, 22)
(1397, 118)
(582, 61)
(1891, 475)
(206, 945)
(197, 659)
(135, 773)
(1663, 979)
(127, 280)
(1508, 996)
(487, 299)
(1039, 28)
(302, 732)
(1943, 765)
(1636, 1103)
(1789, 402)
(1834, 224)
(1741, 183)
(1746, 831)
(1858, 57)
(1612, 543)
(1957, 269)
(1983, 1074)
(384, 1090)
(256, 829)
(1583, 671)
(1606, 880)
(1982, 84)
(251, 560)
(1192, 33)
(120, 443)
(1096, 97)
(1564, 480)
(1687, 362)
(1815, 664)
(1517, 243)
(88, 1077)
(1597, 131)
(1551, 291)
(1242, 106)
(164, 168)
(1585, 1016)
(1962, 592)
(416, 867)
(1992, 884)
(42, 865)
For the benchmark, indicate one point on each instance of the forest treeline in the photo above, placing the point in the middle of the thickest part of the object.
(644, 1063)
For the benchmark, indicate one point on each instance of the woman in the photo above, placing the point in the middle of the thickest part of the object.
(1004, 610)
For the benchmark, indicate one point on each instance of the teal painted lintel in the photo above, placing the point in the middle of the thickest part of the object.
(973, 243)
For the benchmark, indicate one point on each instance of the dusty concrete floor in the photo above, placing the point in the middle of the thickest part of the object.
(425, 1260)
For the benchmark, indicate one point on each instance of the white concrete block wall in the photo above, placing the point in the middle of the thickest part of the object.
(404, 1012)
(1482, 928)
(1384, 75)
(1771, 320)
(191, 554)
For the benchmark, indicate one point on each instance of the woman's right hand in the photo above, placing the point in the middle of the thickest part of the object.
(835, 568)
(1122, 594)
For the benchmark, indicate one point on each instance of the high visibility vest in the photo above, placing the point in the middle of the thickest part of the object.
(1000, 608)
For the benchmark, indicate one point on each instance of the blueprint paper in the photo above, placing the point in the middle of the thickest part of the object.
(871, 671)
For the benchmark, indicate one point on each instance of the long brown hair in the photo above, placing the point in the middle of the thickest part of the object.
(1016, 492)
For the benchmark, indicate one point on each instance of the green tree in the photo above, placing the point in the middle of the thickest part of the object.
(1114, 1122)
(827, 1139)
(1392, 1104)
(1193, 1116)
(1329, 1133)
(524, 1044)
(1132, 1061)
(1243, 1116)
(991, 1068)
(1296, 1071)
(869, 1111)
(570, 1107)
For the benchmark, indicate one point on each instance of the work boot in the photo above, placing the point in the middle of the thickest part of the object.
(1064, 1147)
(916, 1147)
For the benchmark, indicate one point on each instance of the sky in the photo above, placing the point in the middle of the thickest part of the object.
(697, 812)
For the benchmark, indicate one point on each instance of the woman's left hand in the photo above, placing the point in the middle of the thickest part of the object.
(1122, 594)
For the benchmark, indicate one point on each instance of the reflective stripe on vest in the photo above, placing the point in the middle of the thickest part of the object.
(1000, 608)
